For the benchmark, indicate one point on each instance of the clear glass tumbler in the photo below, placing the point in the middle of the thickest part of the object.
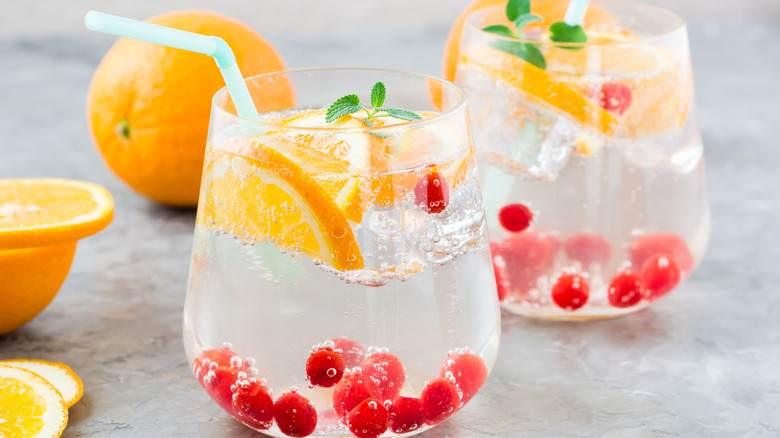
(591, 161)
(341, 281)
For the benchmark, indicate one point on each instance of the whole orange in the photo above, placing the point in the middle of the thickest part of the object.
(148, 105)
(549, 10)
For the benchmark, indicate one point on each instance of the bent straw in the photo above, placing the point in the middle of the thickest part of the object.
(213, 46)
(575, 13)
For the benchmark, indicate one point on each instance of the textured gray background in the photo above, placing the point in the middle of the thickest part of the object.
(703, 362)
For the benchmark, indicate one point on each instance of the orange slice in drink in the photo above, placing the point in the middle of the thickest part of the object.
(345, 142)
(42, 212)
(660, 86)
(443, 144)
(533, 81)
(29, 405)
(259, 194)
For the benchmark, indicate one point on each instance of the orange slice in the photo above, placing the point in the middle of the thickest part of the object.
(263, 195)
(59, 375)
(536, 82)
(30, 407)
(442, 143)
(661, 88)
(346, 142)
(40, 212)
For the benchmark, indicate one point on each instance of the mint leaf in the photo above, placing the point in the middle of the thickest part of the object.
(516, 8)
(564, 33)
(525, 51)
(401, 114)
(524, 20)
(343, 106)
(499, 29)
(378, 92)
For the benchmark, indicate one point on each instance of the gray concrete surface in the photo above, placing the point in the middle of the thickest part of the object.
(703, 362)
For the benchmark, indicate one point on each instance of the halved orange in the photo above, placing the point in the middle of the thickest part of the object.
(259, 194)
(30, 407)
(41, 212)
(538, 83)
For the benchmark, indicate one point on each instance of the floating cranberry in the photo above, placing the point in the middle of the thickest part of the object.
(625, 290)
(649, 245)
(217, 372)
(570, 292)
(253, 405)
(387, 372)
(406, 414)
(368, 419)
(352, 352)
(324, 367)
(614, 97)
(467, 370)
(295, 415)
(660, 274)
(440, 400)
(432, 192)
(515, 217)
(352, 390)
(587, 248)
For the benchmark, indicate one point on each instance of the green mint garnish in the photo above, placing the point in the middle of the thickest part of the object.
(519, 13)
(565, 33)
(343, 106)
(378, 93)
(517, 8)
(351, 103)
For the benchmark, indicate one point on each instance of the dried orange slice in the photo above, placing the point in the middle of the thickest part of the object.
(259, 194)
(536, 82)
(30, 407)
(41, 212)
(59, 375)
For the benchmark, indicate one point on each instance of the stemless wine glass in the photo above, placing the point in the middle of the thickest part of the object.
(596, 147)
(341, 281)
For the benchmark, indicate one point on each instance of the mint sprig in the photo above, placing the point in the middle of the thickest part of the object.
(350, 104)
(562, 32)
(519, 13)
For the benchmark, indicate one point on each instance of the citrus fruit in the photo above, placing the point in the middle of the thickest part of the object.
(29, 405)
(294, 211)
(539, 84)
(659, 86)
(549, 11)
(59, 375)
(40, 223)
(148, 105)
(39, 212)
(349, 163)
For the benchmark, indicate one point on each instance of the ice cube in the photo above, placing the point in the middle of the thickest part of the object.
(534, 138)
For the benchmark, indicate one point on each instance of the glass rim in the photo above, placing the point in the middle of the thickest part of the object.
(678, 24)
(461, 101)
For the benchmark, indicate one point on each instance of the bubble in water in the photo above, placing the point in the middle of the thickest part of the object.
(227, 345)
(339, 232)
(436, 238)
(293, 389)
(331, 372)
(236, 362)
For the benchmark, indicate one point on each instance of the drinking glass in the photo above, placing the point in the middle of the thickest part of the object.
(591, 162)
(341, 280)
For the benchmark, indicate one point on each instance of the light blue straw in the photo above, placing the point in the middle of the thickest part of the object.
(575, 13)
(208, 45)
